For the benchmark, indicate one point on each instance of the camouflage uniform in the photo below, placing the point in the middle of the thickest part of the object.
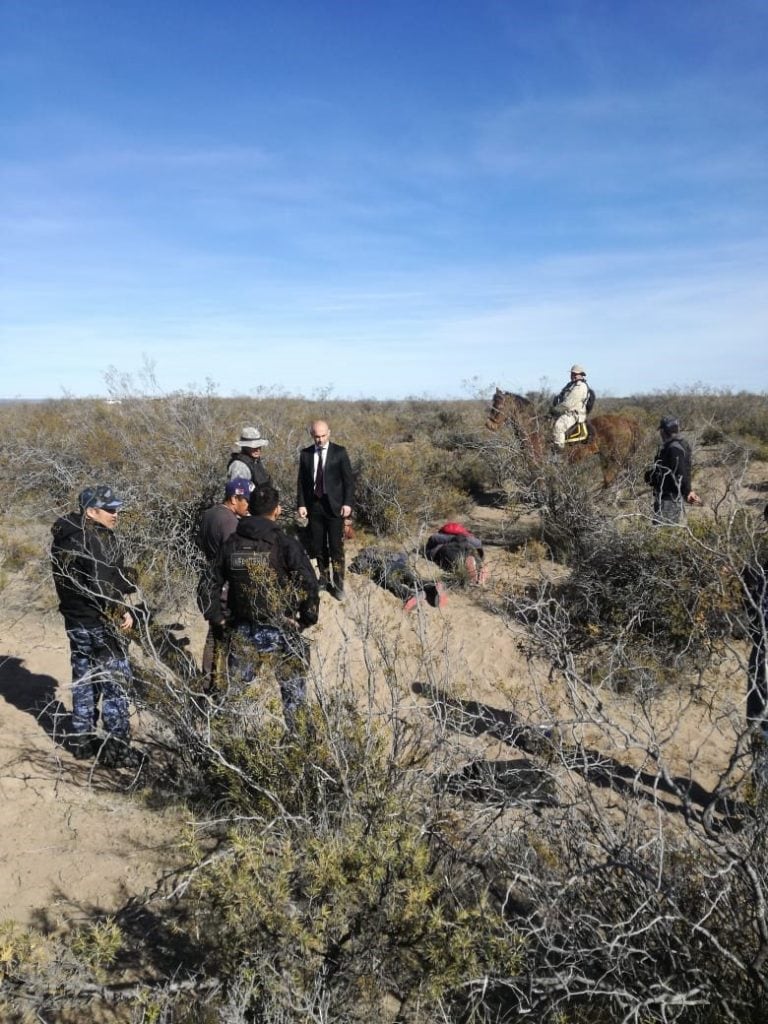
(100, 669)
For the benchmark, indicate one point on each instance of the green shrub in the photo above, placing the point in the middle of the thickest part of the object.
(335, 880)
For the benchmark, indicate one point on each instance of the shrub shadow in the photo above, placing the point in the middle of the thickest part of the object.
(688, 797)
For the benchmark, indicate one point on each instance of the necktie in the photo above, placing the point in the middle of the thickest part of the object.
(319, 489)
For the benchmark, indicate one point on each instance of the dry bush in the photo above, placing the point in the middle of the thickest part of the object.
(677, 590)
(401, 486)
(714, 415)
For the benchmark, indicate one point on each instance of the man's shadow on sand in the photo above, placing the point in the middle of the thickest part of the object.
(36, 695)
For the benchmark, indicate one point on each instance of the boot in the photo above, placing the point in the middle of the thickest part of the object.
(338, 581)
(83, 746)
(118, 753)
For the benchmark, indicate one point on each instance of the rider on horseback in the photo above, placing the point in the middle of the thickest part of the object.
(571, 405)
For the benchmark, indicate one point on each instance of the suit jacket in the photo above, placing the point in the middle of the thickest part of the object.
(337, 478)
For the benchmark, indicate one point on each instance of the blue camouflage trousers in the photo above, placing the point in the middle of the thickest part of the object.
(100, 670)
(287, 654)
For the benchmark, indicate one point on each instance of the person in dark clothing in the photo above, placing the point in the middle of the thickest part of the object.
(324, 496)
(246, 463)
(218, 523)
(92, 584)
(670, 475)
(390, 570)
(273, 595)
(458, 552)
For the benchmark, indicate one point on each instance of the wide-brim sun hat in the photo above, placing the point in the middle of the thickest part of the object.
(250, 437)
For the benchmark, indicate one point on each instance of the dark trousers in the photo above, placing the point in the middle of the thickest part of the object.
(327, 534)
(667, 511)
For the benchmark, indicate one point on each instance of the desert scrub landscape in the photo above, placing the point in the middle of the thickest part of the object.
(539, 802)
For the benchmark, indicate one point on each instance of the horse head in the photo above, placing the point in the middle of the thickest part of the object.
(505, 408)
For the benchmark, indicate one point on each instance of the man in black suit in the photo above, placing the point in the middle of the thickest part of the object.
(324, 494)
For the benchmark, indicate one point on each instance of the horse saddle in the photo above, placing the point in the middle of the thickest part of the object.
(578, 433)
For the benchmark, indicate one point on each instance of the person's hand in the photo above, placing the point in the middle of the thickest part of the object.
(302, 512)
(346, 511)
(693, 498)
(126, 622)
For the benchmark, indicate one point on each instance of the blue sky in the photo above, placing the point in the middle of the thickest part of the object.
(381, 199)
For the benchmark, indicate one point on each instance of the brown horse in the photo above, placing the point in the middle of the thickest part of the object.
(613, 438)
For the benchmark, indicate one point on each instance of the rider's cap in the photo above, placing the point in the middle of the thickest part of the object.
(578, 369)
(669, 424)
(100, 497)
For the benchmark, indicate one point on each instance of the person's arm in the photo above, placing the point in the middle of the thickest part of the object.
(221, 529)
(111, 580)
(684, 469)
(216, 579)
(238, 469)
(303, 576)
(301, 499)
(348, 484)
(686, 488)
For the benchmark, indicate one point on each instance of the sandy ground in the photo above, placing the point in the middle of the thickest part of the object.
(75, 838)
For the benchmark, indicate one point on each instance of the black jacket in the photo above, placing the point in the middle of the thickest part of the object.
(670, 475)
(337, 478)
(259, 475)
(88, 571)
(450, 549)
(269, 575)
